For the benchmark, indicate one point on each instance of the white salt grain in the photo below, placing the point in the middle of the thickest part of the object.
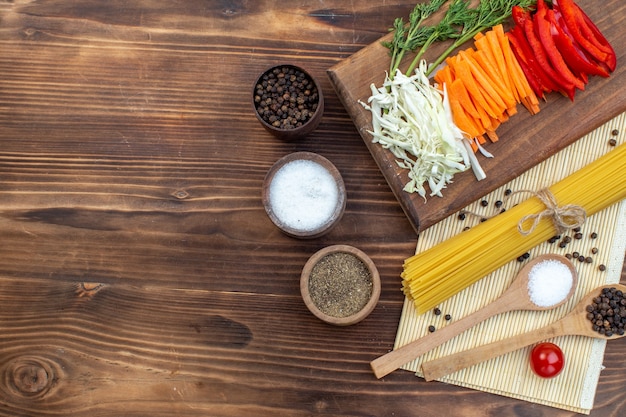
(303, 195)
(549, 283)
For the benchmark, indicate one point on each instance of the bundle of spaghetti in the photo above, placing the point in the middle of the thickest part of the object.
(436, 274)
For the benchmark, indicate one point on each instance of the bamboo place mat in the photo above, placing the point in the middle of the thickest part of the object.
(510, 375)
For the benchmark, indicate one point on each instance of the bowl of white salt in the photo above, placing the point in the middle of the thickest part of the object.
(304, 195)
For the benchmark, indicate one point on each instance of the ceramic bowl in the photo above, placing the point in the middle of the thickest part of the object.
(306, 290)
(308, 97)
(304, 195)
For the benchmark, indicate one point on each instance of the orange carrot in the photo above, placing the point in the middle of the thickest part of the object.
(458, 91)
(466, 124)
(528, 97)
(483, 81)
(493, 45)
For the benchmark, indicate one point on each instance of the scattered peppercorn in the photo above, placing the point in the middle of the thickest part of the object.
(553, 239)
(431, 328)
(462, 216)
(575, 254)
(581, 258)
(588, 260)
(602, 267)
(484, 203)
(614, 132)
(612, 142)
(437, 311)
(448, 317)
(507, 192)
(593, 235)
(286, 97)
(594, 250)
(578, 235)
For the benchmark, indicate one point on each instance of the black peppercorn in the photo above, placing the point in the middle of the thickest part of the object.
(431, 328)
(285, 99)
(604, 314)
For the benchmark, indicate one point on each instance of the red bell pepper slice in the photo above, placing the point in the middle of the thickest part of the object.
(572, 56)
(540, 54)
(519, 41)
(597, 35)
(542, 26)
(570, 14)
(531, 77)
(524, 54)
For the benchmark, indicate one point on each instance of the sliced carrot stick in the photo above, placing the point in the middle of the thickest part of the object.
(483, 81)
(529, 98)
(498, 56)
(458, 91)
(491, 134)
(444, 76)
(496, 81)
(462, 121)
(463, 70)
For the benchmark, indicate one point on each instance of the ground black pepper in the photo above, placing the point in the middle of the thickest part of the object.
(340, 284)
(286, 97)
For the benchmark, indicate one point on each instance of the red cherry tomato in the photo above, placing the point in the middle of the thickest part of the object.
(546, 360)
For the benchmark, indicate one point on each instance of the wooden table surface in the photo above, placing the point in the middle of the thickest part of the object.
(139, 273)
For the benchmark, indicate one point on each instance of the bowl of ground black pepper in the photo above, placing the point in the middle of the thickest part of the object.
(288, 101)
(340, 285)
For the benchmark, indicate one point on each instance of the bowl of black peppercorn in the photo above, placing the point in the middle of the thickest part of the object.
(288, 101)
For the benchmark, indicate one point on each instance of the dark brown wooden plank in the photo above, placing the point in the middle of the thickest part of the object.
(526, 140)
(137, 266)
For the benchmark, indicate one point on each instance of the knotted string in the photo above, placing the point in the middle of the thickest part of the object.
(564, 218)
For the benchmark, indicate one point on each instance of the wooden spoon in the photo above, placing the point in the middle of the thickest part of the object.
(574, 323)
(516, 297)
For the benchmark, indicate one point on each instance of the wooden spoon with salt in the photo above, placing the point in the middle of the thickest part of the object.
(574, 323)
(516, 297)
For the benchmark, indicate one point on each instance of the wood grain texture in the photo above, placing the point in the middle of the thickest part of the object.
(139, 273)
(526, 139)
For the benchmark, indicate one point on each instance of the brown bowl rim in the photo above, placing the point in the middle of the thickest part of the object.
(341, 187)
(306, 296)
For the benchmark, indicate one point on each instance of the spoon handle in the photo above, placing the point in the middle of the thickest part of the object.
(391, 361)
(446, 365)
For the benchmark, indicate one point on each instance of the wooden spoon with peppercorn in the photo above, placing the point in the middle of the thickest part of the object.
(590, 318)
(516, 297)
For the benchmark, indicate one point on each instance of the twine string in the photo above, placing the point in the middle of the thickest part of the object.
(567, 217)
(564, 218)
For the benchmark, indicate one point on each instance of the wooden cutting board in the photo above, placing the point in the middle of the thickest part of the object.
(525, 140)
